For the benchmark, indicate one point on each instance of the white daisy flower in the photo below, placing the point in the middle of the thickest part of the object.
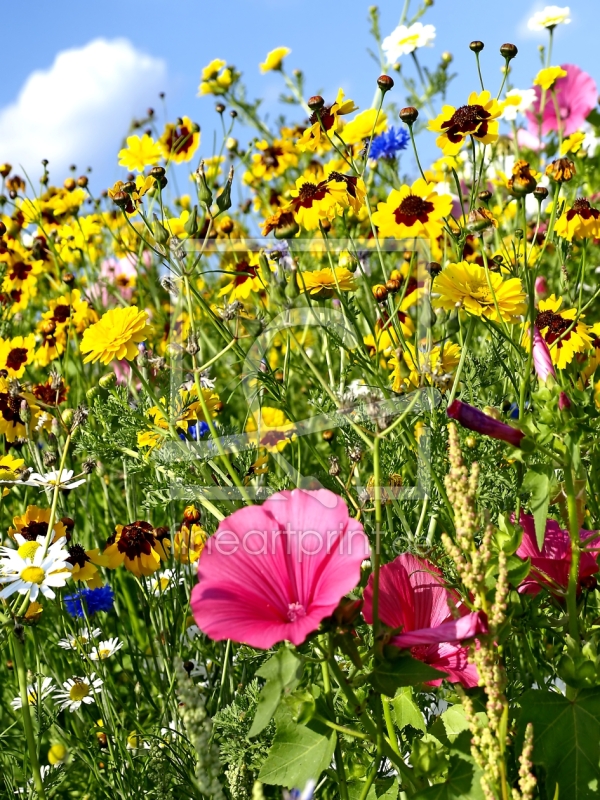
(80, 639)
(164, 581)
(192, 631)
(106, 649)
(404, 40)
(34, 572)
(549, 17)
(517, 101)
(64, 479)
(77, 691)
(34, 690)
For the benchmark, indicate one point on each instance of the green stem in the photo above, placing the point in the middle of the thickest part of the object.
(26, 714)
(463, 355)
(575, 553)
(377, 548)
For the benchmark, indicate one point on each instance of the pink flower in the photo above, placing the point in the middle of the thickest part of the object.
(414, 598)
(541, 287)
(542, 360)
(576, 96)
(475, 420)
(118, 274)
(275, 571)
(550, 565)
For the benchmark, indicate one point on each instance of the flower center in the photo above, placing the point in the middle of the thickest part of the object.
(104, 653)
(77, 556)
(556, 325)
(28, 549)
(465, 120)
(34, 529)
(19, 271)
(583, 209)
(61, 313)
(413, 209)
(16, 358)
(136, 538)
(33, 575)
(78, 691)
(296, 611)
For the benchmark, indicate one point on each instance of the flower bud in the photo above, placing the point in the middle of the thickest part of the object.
(82, 181)
(476, 46)
(562, 170)
(224, 199)
(564, 404)
(316, 102)
(522, 181)
(191, 225)
(92, 392)
(69, 184)
(447, 58)
(220, 108)
(380, 293)
(161, 234)
(385, 83)
(204, 192)
(122, 200)
(508, 51)
(475, 420)
(49, 458)
(25, 412)
(191, 515)
(328, 436)
(540, 193)
(108, 381)
(157, 173)
(409, 115)
(57, 754)
(393, 285)
(541, 287)
(485, 196)
(68, 278)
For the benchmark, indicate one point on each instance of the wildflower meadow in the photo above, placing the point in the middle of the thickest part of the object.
(300, 422)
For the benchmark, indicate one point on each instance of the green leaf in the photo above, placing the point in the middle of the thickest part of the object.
(297, 755)
(566, 740)
(462, 782)
(388, 676)
(283, 672)
(537, 482)
(385, 789)
(407, 711)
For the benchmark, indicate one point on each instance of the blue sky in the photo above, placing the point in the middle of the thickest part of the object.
(329, 42)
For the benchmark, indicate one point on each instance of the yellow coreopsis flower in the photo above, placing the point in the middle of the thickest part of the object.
(11, 403)
(564, 337)
(189, 542)
(416, 210)
(216, 78)
(140, 152)
(581, 221)
(180, 141)
(271, 429)
(245, 279)
(360, 128)
(572, 144)
(271, 160)
(546, 77)
(10, 468)
(137, 547)
(314, 202)
(325, 123)
(482, 294)
(323, 283)
(34, 522)
(115, 336)
(415, 368)
(479, 118)
(274, 59)
(16, 353)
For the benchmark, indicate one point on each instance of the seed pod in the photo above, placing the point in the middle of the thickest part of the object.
(385, 83)
(409, 115)
(315, 102)
(476, 46)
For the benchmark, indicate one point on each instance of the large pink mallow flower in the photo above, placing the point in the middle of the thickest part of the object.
(274, 572)
(414, 598)
(576, 96)
(550, 566)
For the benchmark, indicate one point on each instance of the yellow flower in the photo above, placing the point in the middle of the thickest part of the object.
(11, 404)
(581, 221)
(137, 546)
(360, 128)
(572, 144)
(273, 429)
(34, 523)
(184, 410)
(57, 754)
(325, 122)
(85, 563)
(563, 338)
(10, 468)
(386, 339)
(274, 59)
(16, 353)
(466, 286)
(216, 79)
(140, 152)
(188, 543)
(415, 368)
(246, 279)
(546, 77)
(272, 160)
(314, 202)
(410, 211)
(116, 335)
(180, 141)
(322, 282)
(478, 119)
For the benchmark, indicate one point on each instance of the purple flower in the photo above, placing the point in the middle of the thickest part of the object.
(475, 420)
(100, 599)
(388, 143)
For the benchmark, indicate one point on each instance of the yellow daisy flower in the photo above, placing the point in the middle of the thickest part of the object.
(137, 547)
(34, 523)
(272, 160)
(546, 77)
(563, 341)
(414, 369)
(478, 119)
(466, 286)
(216, 78)
(322, 282)
(273, 429)
(11, 406)
(140, 152)
(410, 211)
(314, 202)
(245, 279)
(180, 141)
(274, 59)
(115, 336)
(327, 118)
(581, 221)
(16, 353)
(572, 144)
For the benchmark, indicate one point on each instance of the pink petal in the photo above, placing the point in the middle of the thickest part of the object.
(453, 631)
(454, 661)
(396, 598)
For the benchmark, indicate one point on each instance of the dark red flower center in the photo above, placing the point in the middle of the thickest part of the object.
(34, 529)
(413, 209)
(10, 407)
(179, 139)
(583, 209)
(16, 358)
(136, 539)
(243, 273)
(270, 156)
(467, 120)
(349, 180)
(19, 271)
(327, 118)
(555, 324)
(61, 313)
(77, 556)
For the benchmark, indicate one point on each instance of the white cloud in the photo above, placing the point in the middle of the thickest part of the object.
(78, 110)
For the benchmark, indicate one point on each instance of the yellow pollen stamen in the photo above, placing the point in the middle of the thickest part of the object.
(33, 575)
(28, 549)
(79, 690)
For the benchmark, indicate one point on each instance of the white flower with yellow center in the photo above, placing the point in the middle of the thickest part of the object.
(106, 649)
(404, 40)
(80, 640)
(517, 101)
(78, 691)
(35, 690)
(63, 479)
(29, 570)
(549, 17)
(164, 581)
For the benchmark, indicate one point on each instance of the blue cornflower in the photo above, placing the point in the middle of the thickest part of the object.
(196, 431)
(388, 143)
(100, 599)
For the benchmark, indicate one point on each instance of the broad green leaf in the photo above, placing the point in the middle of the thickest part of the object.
(386, 789)
(455, 721)
(283, 672)
(462, 782)
(566, 740)
(537, 482)
(297, 755)
(406, 711)
(388, 676)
